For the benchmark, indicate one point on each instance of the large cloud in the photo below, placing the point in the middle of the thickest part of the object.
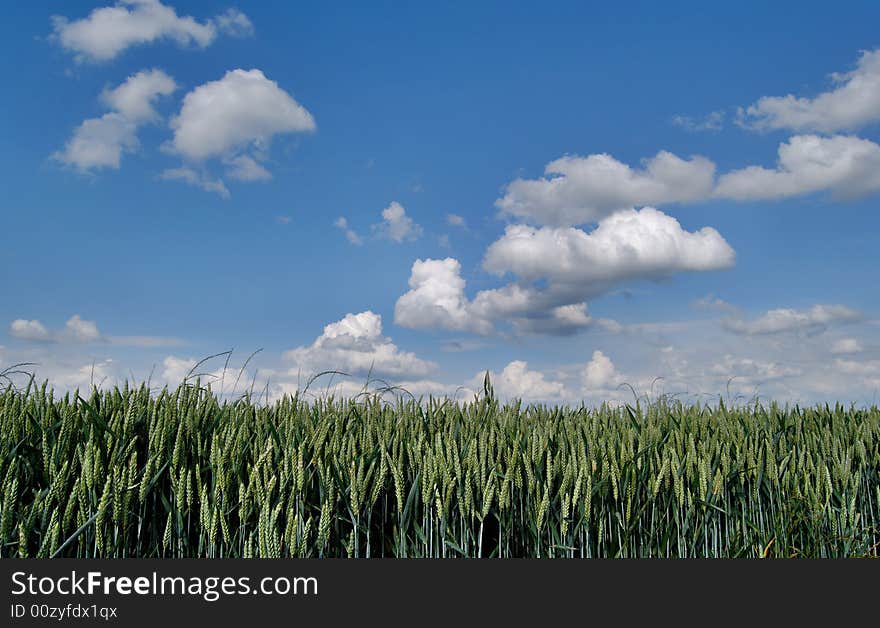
(234, 119)
(587, 189)
(236, 112)
(626, 245)
(355, 345)
(108, 31)
(100, 142)
(853, 103)
(571, 264)
(848, 166)
(436, 299)
(782, 320)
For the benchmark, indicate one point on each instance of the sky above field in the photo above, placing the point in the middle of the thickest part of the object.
(584, 201)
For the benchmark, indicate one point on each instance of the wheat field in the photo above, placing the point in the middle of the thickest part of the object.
(128, 472)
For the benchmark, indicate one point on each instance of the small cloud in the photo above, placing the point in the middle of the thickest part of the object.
(782, 320)
(190, 176)
(443, 241)
(109, 31)
(711, 302)
(454, 220)
(282, 220)
(234, 23)
(396, 225)
(75, 330)
(246, 168)
(846, 345)
(351, 235)
(711, 122)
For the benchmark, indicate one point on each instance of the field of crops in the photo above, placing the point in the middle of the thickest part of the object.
(127, 473)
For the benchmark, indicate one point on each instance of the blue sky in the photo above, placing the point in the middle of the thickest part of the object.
(571, 197)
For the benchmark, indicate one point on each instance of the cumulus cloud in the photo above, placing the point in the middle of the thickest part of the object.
(80, 330)
(396, 225)
(854, 102)
(600, 374)
(76, 329)
(782, 320)
(108, 31)
(436, 299)
(847, 166)
(197, 179)
(578, 190)
(355, 345)
(581, 190)
(351, 235)
(626, 245)
(516, 381)
(239, 111)
(569, 263)
(29, 330)
(100, 142)
(135, 98)
(233, 119)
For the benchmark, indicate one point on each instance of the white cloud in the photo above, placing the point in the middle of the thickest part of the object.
(587, 189)
(711, 302)
(246, 168)
(846, 165)
(854, 102)
(713, 121)
(436, 299)
(29, 330)
(100, 142)
(242, 110)
(396, 225)
(455, 220)
(175, 369)
(197, 179)
(846, 345)
(351, 235)
(573, 264)
(79, 330)
(85, 376)
(355, 345)
(234, 23)
(782, 320)
(629, 244)
(516, 381)
(600, 373)
(134, 99)
(108, 31)
(75, 330)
